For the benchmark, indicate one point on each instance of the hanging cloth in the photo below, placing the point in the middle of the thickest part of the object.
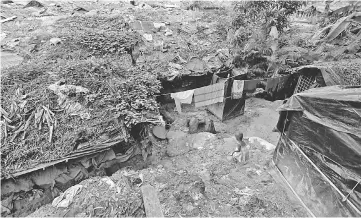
(237, 89)
(215, 79)
(182, 98)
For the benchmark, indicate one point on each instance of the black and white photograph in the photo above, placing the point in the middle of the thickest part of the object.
(180, 108)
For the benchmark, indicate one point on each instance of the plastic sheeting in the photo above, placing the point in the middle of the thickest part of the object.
(319, 152)
(311, 187)
(280, 88)
(185, 82)
(337, 107)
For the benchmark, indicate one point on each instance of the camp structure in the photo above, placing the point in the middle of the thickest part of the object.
(319, 151)
(281, 87)
(229, 108)
(345, 72)
(314, 76)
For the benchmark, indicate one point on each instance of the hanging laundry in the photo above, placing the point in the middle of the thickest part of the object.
(237, 89)
(209, 95)
(182, 98)
(215, 78)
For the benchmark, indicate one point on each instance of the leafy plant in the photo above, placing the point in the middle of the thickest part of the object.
(332, 31)
(331, 17)
(266, 13)
(131, 93)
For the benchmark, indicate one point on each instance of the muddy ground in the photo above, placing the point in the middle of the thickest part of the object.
(180, 168)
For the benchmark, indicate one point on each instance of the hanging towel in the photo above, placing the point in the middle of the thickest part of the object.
(237, 89)
(182, 98)
(209, 95)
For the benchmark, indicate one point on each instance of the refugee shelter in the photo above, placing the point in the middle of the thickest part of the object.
(319, 151)
(345, 72)
(282, 87)
(231, 106)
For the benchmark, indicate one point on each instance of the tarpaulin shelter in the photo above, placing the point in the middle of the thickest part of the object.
(319, 151)
(280, 88)
(345, 72)
(229, 108)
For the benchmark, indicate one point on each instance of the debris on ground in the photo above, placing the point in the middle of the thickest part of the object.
(55, 41)
(66, 198)
(72, 107)
(118, 195)
(148, 37)
(75, 76)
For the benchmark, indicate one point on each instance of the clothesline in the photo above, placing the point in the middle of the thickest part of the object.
(212, 84)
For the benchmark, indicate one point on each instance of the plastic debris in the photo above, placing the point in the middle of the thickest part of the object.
(246, 191)
(110, 182)
(66, 198)
(168, 32)
(55, 41)
(73, 108)
(159, 26)
(148, 37)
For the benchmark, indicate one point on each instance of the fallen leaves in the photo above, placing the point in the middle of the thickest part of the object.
(14, 122)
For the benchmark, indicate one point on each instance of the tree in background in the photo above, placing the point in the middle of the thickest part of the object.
(262, 15)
